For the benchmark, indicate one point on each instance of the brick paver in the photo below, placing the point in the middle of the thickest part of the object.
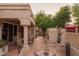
(39, 47)
(12, 52)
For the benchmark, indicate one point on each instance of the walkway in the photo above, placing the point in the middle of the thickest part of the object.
(39, 47)
(12, 52)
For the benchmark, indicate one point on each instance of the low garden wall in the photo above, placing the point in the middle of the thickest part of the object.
(53, 35)
(71, 37)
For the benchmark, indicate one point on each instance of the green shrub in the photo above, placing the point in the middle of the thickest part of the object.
(2, 43)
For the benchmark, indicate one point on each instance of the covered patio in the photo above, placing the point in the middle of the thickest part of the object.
(15, 22)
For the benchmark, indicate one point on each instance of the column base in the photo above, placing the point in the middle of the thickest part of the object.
(24, 51)
(25, 47)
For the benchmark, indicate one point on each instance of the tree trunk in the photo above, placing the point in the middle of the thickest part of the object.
(59, 35)
(44, 33)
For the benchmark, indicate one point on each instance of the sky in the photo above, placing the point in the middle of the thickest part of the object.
(48, 8)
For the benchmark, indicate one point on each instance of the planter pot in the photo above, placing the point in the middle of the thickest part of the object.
(3, 50)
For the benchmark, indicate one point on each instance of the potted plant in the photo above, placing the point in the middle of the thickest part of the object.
(3, 47)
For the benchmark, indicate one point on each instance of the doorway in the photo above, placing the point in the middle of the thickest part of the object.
(9, 31)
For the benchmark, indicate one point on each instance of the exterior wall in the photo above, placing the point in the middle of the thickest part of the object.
(73, 39)
(21, 12)
(21, 15)
(18, 37)
(31, 34)
(63, 32)
(53, 35)
(0, 32)
(74, 51)
(13, 13)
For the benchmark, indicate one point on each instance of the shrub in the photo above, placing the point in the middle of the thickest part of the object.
(2, 43)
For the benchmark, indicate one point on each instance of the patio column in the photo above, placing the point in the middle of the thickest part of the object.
(0, 32)
(25, 36)
(76, 40)
(25, 46)
(25, 23)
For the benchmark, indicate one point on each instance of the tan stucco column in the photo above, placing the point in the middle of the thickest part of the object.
(25, 36)
(18, 36)
(0, 32)
(25, 23)
(25, 48)
(76, 29)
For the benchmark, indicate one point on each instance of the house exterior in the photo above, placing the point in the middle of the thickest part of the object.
(16, 23)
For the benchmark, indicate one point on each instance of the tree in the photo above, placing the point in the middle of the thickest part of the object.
(43, 21)
(75, 13)
(75, 10)
(61, 18)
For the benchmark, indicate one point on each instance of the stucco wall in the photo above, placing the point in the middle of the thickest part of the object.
(53, 35)
(14, 14)
(74, 51)
(22, 12)
(73, 38)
